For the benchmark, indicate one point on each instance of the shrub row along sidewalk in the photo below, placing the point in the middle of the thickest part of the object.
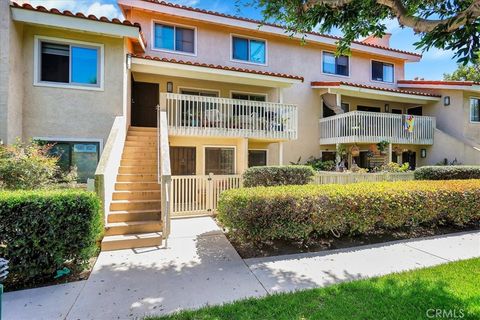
(42, 231)
(298, 212)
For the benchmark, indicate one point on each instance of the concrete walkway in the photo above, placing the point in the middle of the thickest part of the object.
(200, 267)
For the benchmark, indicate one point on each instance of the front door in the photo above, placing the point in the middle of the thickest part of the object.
(411, 158)
(183, 161)
(145, 98)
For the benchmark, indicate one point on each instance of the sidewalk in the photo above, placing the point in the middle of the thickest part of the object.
(201, 267)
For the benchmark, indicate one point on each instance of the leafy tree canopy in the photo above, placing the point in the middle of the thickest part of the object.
(449, 24)
(470, 72)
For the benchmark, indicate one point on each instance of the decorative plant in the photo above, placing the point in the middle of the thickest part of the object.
(382, 146)
(342, 150)
(319, 165)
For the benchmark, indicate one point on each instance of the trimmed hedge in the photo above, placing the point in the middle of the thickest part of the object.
(447, 173)
(41, 231)
(277, 176)
(297, 212)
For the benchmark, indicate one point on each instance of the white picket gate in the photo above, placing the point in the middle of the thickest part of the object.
(199, 195)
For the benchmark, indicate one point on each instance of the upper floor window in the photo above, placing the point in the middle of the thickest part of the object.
(335, 65)
(72, 64)
(249, 50)
(382, 71)
(174, 38)
(474, 109)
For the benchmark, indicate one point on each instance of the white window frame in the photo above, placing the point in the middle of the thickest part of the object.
(174, 25)
(219, 146)
(232, 92)
(63, 139)
(260, 149)
(37, 64)
(180, 88)
(470, 109)
(385, 62)
(232, 35)
(334, 74)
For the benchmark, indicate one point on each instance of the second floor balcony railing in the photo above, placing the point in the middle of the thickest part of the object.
(372, 127)
(210, 116)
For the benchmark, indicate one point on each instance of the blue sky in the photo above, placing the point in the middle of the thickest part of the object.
(433, 65)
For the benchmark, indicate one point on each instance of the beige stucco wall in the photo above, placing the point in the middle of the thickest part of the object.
(284, 55)
(11, 80)
(74, 113)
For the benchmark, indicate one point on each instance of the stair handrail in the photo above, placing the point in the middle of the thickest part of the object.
(164, 171)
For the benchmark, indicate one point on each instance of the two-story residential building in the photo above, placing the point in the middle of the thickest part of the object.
(231, 94)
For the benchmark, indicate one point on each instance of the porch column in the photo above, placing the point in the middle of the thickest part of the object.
(163, 102)
(338, 158)
(245, 155)
(280, 95)
(338, 103)
(280, 153)
(390, 150)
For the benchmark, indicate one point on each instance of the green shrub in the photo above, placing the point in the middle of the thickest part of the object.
(40, 231)
(319, 165)
(29, 166)
(297, 212)
(447, 173)
(277, 175)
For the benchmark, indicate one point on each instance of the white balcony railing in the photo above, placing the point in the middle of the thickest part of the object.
(210, 116)
(372, 127)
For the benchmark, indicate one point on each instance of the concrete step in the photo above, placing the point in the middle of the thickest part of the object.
(133, 215)
(147, 129)
(132, 227)
(143, 177)
(129, 241)
(121, 205)
(140, 155)
(138, 133)
(152, 169)
(135, 186)
(139, 162)
(137, 143)
(148, 149)
(137, 195)
(141, 138)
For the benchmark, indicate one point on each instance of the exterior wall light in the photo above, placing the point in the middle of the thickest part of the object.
(169, 87)
(387, 107)
(128, 61)
(423, 153)
(446, 101)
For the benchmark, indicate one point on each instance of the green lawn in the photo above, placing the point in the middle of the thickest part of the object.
(453, 287)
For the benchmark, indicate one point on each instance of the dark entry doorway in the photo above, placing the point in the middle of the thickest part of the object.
(145, 98)
(411, 158)
(369, 109)
(183, 161)
(416, 111)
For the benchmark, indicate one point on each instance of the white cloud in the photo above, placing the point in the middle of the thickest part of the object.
(437, 54)
(86, 7)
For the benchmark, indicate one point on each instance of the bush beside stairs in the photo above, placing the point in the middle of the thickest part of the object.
(134, 219)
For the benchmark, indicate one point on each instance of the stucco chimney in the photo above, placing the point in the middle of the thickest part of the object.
(383, 41)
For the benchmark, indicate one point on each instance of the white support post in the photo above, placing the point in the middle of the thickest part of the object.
(338, 102)
(280, 153)
(390, 150)
(280, 95)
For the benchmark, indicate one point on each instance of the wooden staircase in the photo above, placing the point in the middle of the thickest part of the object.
(134, 217)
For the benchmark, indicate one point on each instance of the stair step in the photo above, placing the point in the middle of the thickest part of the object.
(132, 227)
(139, 133)
(148, 129)
(140, 155)
(131, 186)
(137, 195)
(152, 169)
(120, 205)
(137, 143)
(148, 149)
(139, 177)
(142, 138)
(129, 241)
(133, 215)
(139, 162)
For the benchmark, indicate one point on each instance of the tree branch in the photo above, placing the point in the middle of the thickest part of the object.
(416, 23)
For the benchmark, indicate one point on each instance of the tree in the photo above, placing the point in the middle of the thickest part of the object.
(449, 24)
(470, 72)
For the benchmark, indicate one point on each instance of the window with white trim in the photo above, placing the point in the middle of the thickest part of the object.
(220, 160)
(69, 63)
(249, 50)
(382, 71)
(174, 38)
(474, 109)
(335, 65)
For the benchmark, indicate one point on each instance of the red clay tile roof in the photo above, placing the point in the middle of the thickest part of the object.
(214, 13)
(80, 15)
(439, 82)
(205, 65)
(364, 86)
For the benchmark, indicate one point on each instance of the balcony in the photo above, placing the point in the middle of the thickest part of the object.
(371, 127)
(210, 116)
